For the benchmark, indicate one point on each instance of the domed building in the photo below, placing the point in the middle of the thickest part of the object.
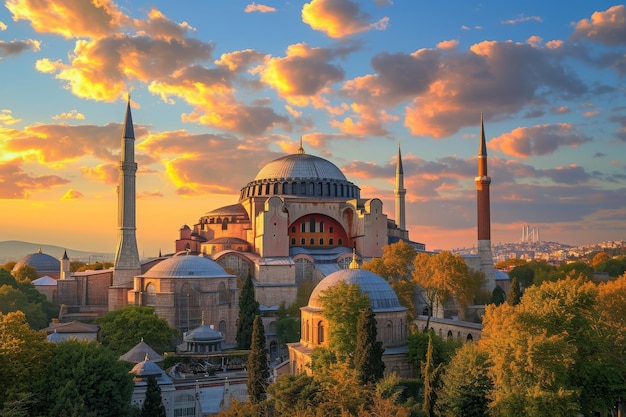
(43, 263)
(391, 321)
(297, 221)
(187, 289)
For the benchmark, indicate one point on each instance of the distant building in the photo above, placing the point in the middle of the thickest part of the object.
(43, 263)
(59, 332)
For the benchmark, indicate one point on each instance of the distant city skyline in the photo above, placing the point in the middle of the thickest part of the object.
(220, 90)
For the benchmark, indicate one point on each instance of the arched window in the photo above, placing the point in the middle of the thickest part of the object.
(293, 240)
(221, 327)
(321, 241)
(389, 332)
(150, 295)
(225, 224)
(307, 335)
(330, 241)
(450, 336)
(303, 241)
(312, 225)
(312, 241)
(222, 294)
(320, 332)
(340, 242)
(470, 338)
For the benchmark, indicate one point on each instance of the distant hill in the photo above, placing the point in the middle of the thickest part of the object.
(14, 250)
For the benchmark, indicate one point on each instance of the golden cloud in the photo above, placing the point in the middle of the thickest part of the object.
(103, 173)
(261, 8)
(7, 119)
(72, 194)
(16, 184)
(339, 18)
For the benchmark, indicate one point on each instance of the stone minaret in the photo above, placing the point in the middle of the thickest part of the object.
(483, 211)
(400, 192)
(126, 255)
(65, 266)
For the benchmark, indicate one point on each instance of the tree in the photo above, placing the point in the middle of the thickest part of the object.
(368, 355)
(465, 384)
(395, 266)
(24, 353)
(342, 305)
(524, 275)
(498, 296)
(515, 293)
(12, 299)
(599, 258)
(8, 266)
(294, 394)
(430, 377)
(248, 309)
(122, 329)
(26, 273)
(287, 327)
(153, 404)
(615, 267)
(83, 378)
(258, 369)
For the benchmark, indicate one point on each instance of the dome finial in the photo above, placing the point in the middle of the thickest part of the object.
(354, 264)
(39, 251)
(146, 359)
(300, 149)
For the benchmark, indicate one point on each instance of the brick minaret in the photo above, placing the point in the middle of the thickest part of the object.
(483, 211)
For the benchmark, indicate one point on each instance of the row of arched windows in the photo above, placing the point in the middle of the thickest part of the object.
(313, 189)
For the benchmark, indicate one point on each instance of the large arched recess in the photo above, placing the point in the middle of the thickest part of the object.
(317, 231)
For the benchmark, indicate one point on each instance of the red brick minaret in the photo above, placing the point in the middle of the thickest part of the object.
(483, 212)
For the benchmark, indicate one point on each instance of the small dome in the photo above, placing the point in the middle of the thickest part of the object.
(232, 210)
(54, 337)
(146, 368)
(382, 296)
(186, 266)
(301, 166)
(42, 262)
(203, 334)
(44, 281)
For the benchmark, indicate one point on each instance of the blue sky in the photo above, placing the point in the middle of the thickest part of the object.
(221, 88)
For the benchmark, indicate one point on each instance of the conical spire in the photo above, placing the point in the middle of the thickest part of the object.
(399, 169)
(65, 255)
(482, 148)
(129, 132)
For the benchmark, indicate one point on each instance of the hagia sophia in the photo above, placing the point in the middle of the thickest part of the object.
(300, 220)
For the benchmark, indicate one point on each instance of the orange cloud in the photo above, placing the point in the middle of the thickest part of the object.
(7, 119)
(449, 44)
(144, 195)
(16, 184)
(240, 60)
(69, 18)
(103, 173)
(339, 18)
(72, 114)
(261, 8)
(72, 195)
(608, 27)
(304, 72)
(524, 142)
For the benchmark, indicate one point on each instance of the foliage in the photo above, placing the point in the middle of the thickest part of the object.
(17, 407)
(342, 305)
(509, 263)
(598, 258)
(26, 273)
(248, 309)
(75, 265)
(575, 270)
(405, 290)
(122, 329)
(23, 355)
(465, 384)
(515, 293)
(498, 296)
(287, 327)
(96, 266)
(153, 404)
(22, 296)
(294, 394)
(615, 267)
(258, 369)
(442, 350)
(8, 266)
(84, 379)
(444, 275)
(430, 376)
(368, 355)
(322, 358)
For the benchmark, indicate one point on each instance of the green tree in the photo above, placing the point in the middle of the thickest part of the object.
(258, 369)
(122, 329)
(615, 267)
(368, 355)
(248, 309)
(153, 404)
(8, 266)
(430, 376)
(294, 394)
(443, 350)
(465, 384)
(287, 327)
(84, 379)
(575, 270)
(26, 273)
(342, 305)
(515, 293)
(498, 296)
(524, 274)
(12, 299)
(24, 354)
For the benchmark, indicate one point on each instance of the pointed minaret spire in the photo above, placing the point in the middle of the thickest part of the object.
(127, 264)
(400, 192)
(65, 266)
(483, 211)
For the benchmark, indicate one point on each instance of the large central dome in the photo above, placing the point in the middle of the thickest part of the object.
(300, 175)
(300, 166)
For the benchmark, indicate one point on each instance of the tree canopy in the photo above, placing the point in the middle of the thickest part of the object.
(122, 329)
(368, 355)
(258, 369)
(248, 309)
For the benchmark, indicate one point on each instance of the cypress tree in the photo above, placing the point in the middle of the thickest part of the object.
(248, 310)
(368, 355)
(515, 293)
(153, 404)
(258, 370)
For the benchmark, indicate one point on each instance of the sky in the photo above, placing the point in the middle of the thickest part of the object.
(221, 88)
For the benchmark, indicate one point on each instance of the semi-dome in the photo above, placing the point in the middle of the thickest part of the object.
(187, 266)
(382, 297)
(42, 262)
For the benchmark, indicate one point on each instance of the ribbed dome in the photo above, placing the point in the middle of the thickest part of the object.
(300, 166)
(40, 261)
(382, 296)
(146, 368)
(187, 266)
(203, 334)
